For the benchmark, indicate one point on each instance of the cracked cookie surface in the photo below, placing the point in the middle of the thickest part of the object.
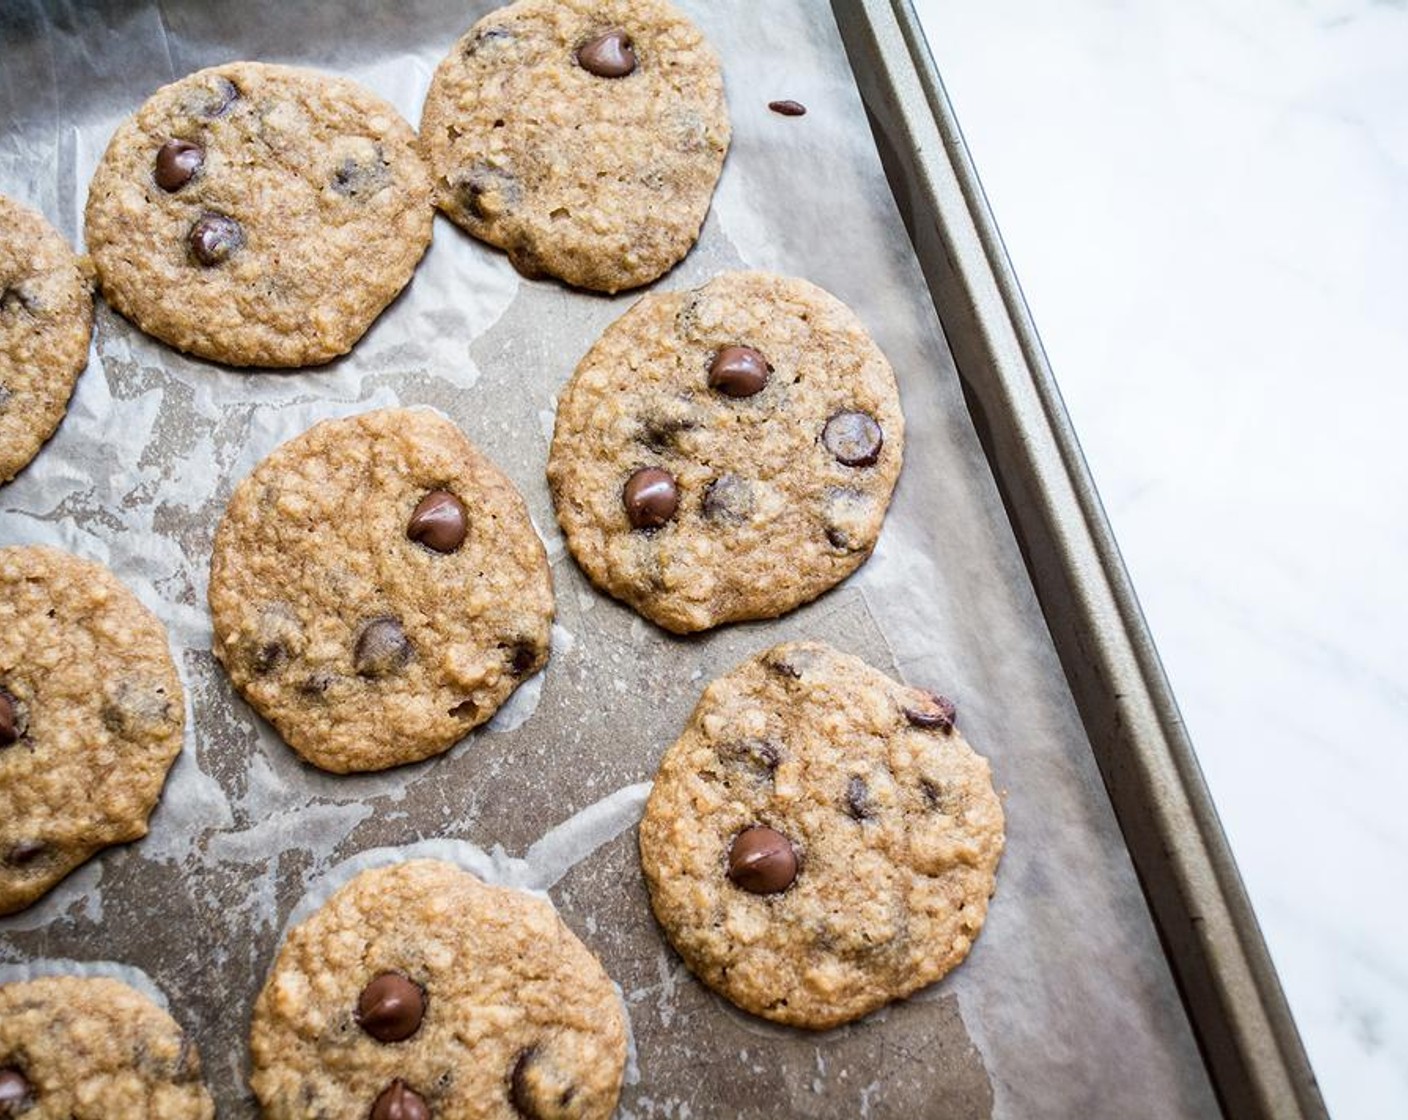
(820, 840)
(259, 215)
(46, 320)
(91, 714)
(378, 590)
(421, 985)
(584, 137)
(776, 423)
(90, 1048)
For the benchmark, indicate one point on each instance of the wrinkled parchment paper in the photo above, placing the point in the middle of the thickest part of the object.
(1065, 1008)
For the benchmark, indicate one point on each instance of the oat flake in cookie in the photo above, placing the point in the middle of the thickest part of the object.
(91, 713)
(418, 991)
(727, 453)
(90, 1048)
(259, 215)
(820, 840)
(46, 319)
(378, 589)
(583, 136)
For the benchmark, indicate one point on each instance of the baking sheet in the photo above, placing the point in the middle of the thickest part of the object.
(1065, 1007)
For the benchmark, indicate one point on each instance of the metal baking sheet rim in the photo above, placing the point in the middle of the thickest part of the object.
(1215, 948)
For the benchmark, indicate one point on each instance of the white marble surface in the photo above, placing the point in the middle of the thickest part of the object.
(1207, 204)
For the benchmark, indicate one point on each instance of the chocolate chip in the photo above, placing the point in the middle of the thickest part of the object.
(216, 101)
(790, 661)
(277, 638)
(762, 861)
(608, 56)
(136, 708)
(524, 657)
(757, 755)
(661, 431)
(936, 797)
(687, 317)
(391, 1007)
(398, 1101)
(651, 497)
(214, 238)
(268, 657)
(364, 175)
(931, 711)
(26, 851)
(854, 438)
(488, 192)
(9, 719)
(788, 108)
(14, 1090)
(847, 516)
(488, 38)
(738, 371)
(858, 799)
(539, 1088)
(316, 683)
(382, 648)
(729, 498)
(439, 522)
(177, 162)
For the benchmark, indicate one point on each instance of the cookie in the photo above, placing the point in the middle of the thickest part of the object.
(90, 1048)
(726, 453)
(582, 136)
(259, 215)
(91, 712)
(46, 320)
(821, 840)
(378, 590)
(418, 991)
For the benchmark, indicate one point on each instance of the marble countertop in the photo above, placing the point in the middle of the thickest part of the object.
(1207, 205)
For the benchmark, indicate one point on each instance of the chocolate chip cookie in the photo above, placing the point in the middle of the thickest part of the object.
(727, 453)
(91, 712)
(583, 136)
(46, 320)
(259, 215)
(378, 590)
(820, 840)
(90, 1048)
(418, 991)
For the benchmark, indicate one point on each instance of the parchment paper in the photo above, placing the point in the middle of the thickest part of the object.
(1065, 1008)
